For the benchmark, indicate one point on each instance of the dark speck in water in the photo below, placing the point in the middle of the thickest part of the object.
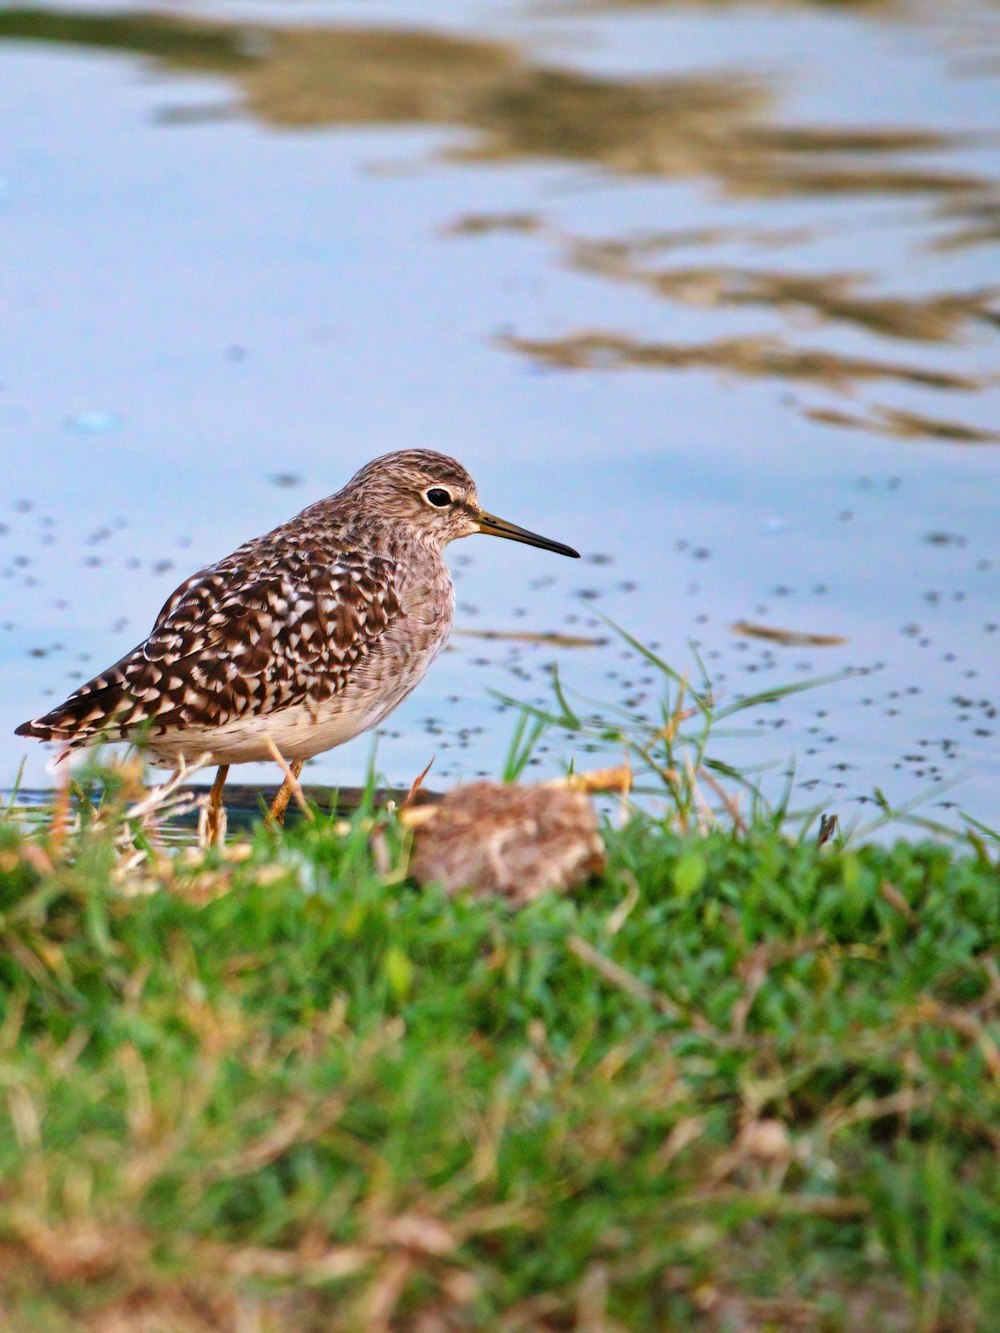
(943, 539)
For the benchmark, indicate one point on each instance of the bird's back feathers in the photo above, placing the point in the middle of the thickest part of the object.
(243, 637)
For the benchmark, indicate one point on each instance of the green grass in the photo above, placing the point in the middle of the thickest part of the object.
(743, 1082)
(740, 1083)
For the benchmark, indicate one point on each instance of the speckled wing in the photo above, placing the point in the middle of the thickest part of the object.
(241, 638)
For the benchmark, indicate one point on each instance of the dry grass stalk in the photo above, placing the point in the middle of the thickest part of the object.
(622, 979)
(159, 801)
(415, 786)
(616, 779)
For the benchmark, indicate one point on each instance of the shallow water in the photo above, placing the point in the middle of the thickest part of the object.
(708, 291)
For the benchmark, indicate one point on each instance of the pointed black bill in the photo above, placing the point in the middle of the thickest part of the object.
(499, 527)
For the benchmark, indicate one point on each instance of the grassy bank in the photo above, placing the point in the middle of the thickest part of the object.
(742, 1082)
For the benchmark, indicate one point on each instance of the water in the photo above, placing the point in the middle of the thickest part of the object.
(709, 292)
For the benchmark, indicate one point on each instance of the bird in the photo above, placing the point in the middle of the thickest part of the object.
(299, 640)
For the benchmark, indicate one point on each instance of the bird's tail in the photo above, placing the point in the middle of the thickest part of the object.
(91, 712)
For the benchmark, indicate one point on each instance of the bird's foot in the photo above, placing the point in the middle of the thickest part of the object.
(212, 824)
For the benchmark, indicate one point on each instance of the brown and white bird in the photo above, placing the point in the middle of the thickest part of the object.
(302, 638)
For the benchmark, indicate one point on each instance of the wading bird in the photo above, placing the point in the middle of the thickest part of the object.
(302, 638)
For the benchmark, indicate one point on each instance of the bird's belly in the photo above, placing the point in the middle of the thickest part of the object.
(300, 730)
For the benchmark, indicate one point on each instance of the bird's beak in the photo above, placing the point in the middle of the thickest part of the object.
(499, 527)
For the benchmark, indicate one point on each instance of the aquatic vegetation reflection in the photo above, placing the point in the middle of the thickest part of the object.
(712, 124)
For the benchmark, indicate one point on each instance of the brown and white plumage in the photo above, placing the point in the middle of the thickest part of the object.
(302, 638)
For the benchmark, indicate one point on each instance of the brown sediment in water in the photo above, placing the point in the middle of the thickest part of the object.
(788, 638)
(551, 637)
(485, 224)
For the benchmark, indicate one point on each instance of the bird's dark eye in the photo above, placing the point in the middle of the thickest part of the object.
(439, 497)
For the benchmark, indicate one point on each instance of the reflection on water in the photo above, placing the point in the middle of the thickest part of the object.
(835, 296)
(719, 126)
(767, 357)
(185, 45)
(582, 208)
(899, 425)
(593, 6)
(973, 223)
(814, 298)
(678, 126)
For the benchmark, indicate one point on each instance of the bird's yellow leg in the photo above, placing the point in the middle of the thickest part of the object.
(280, 802)
(215, 823)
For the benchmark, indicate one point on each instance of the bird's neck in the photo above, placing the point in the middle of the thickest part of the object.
(348, 531)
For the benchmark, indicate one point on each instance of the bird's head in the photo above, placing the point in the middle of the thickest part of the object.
(436, 495)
